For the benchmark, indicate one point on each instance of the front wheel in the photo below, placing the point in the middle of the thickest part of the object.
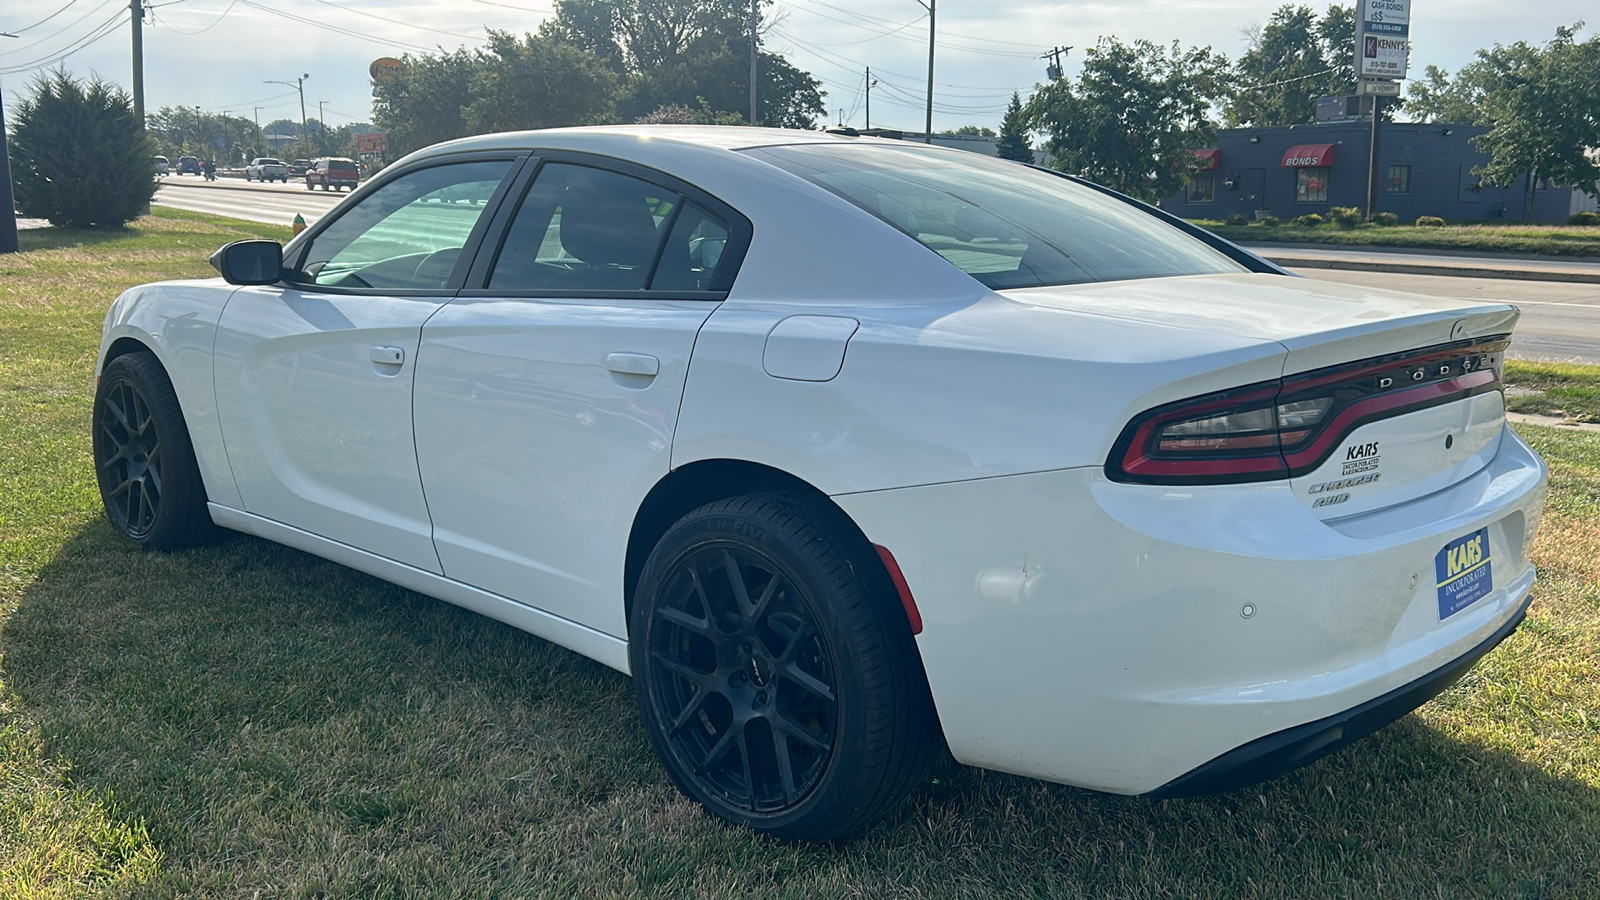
(144, 462)
(775, 671)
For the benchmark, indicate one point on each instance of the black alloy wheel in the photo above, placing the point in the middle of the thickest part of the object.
(780, 690)
(144, 462)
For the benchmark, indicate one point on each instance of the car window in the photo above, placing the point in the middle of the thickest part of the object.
(580, 228)
(407, 234)
(1006, 225)
(692, 253)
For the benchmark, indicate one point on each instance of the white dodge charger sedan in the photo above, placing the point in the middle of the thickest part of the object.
(844, 446)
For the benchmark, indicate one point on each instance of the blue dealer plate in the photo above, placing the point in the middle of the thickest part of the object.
(1463, 572)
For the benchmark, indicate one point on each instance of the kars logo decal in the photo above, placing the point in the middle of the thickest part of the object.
(1361, 458)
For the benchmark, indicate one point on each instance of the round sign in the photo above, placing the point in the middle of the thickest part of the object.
(386, 69)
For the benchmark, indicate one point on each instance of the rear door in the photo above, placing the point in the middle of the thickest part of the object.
(314, 375)
(547, 395)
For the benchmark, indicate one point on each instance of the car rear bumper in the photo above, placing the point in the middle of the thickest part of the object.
(1124, 637)
(1271, 756)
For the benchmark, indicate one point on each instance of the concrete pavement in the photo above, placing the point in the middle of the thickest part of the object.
(1411, 261)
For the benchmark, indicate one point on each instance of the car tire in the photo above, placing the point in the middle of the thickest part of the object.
(144, 462)
(309, 186)
(775, 670)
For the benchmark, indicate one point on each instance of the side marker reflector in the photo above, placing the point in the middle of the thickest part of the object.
(900, 586)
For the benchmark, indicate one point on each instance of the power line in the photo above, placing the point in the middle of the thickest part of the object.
(231, 5)
(65, 28)
(389, 42)
(470, 37)
(58, 12)
(94, 36)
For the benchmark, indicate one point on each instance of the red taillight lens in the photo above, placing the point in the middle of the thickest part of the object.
(1288, 427)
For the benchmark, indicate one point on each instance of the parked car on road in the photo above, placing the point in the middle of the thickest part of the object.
(161, 165)
(333, 172)
(266, 168)
(188, 165)
(841, 446)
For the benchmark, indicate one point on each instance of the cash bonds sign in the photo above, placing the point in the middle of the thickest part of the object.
(1382, 38)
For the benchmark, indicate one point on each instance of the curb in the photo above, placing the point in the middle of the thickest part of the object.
(1550, 422)
(1371, 265)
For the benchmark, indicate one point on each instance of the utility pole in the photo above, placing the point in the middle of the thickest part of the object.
(870, 82)
(927, 137)
(322, 127)
(755, 18)
(136, 7)
(1054, 71)
(8, 202)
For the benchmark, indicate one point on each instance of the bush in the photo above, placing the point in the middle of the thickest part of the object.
(1345, 217)
(1271, 221)
(1386, 220)
(1584, 218)
(78, 154)
(1238, 219)
(1309, 220)
(1429, 222)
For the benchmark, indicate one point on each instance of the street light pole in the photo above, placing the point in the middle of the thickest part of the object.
(322, 128)
(298, 84)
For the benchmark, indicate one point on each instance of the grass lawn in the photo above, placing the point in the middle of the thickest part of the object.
(1553, 240)
(246, 720)
(1553, 389)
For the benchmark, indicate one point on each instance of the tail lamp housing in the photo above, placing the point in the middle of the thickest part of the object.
(1289, 426)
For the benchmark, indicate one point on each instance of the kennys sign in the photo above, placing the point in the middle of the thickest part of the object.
(1383, 30)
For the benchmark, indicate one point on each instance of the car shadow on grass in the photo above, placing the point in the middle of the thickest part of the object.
(282, 724)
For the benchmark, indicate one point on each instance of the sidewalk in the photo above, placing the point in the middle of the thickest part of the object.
(1410, 261)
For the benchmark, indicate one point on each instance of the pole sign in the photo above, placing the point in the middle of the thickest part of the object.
(386, 68)
(1383, 31)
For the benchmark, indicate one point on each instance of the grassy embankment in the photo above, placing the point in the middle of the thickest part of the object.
(246, 720)
(1551, 240)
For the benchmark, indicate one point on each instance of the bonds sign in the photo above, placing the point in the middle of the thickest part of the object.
(1383, 31)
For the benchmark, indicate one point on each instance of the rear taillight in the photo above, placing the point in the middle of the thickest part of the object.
(1287, 427)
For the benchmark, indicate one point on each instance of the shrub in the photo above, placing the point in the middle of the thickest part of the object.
(1346, 217)
(78, 154)
(1584, 218)
(1238, 219)
(1271, 221)
(1386, 220)
(1309, 220)
(1429, 222)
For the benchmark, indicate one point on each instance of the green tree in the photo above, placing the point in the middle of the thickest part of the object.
(1543, 108)
(78, 154)
(1014, 143)
(537, 82)
(1134, 116)
(428, 103)
(1294, 60)
(975, 131)
(683, 52)
(1436, 98)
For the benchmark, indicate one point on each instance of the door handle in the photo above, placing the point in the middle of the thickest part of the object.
(388, 356)
(633, 364)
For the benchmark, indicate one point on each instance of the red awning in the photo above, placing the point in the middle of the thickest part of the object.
(1206, 160)
(1302, 156)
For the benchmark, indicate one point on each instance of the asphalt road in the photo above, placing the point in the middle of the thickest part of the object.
(274, 202)
(1560, 320)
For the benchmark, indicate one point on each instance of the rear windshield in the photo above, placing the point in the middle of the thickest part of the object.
(1007, 225)
(339, 165)
(270, 162)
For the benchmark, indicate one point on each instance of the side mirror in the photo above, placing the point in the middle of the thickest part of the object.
(249, 262)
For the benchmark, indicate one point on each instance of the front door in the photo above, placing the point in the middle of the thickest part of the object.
(314, 375)
(546, 399)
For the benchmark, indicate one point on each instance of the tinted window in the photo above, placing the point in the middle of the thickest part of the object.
(1005, 224)
(409, 233)
(692, 252)
(580, 228)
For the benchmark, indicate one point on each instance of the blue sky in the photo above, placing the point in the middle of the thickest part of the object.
(217, 54)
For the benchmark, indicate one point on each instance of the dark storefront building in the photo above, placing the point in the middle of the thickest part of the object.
(1424, 170)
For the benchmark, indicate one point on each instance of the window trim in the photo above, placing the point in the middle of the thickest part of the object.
(740, 232)
(300, 245)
